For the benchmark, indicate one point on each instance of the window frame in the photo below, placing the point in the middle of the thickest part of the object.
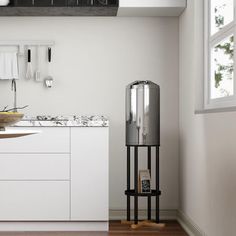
(209, 42)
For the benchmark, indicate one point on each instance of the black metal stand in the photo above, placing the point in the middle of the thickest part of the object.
(134, 192)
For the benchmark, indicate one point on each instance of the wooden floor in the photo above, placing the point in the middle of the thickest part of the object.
(116, 229)
(172, 228)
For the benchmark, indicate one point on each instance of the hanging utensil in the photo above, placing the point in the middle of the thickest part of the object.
(49, 55)
(49, 79)
(29, 73)
(37, 71)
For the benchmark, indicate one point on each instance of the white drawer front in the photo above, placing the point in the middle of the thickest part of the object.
(50, 140)
(34, 201)
(34, 167)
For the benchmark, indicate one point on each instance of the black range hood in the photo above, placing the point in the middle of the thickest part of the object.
(60, 8)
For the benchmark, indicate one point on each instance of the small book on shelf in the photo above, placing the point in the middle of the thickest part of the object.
(144, 181)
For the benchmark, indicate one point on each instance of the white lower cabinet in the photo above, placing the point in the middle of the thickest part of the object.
(50, 140)
(89, 174)
(34, 166)
(34, 200)
(58, 175)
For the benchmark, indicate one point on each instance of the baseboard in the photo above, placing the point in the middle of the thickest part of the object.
(115, 214)
(53, 226)
(188, 225)
(120, 214)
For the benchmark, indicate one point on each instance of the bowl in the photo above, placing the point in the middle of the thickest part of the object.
(9, 118)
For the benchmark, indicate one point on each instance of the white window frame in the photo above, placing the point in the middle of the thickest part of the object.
(209, 41)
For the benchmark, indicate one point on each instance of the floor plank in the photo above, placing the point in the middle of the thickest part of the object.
(172, 228)
(116, 229)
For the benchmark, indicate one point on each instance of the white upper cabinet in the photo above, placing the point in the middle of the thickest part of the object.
(151, 7)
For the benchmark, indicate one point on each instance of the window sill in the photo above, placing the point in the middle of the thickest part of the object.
(215, 110)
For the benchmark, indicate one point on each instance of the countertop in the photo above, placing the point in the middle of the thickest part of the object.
(64, 121)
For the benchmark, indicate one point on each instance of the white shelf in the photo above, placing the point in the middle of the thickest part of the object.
(151, 7)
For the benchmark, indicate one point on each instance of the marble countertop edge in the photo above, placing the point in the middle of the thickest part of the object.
(64, 121)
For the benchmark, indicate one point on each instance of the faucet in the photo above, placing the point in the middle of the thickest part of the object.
(13, 88)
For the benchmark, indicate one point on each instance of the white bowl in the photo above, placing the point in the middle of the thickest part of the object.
(4, 2)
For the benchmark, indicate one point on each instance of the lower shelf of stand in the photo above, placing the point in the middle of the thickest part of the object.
(131, 192)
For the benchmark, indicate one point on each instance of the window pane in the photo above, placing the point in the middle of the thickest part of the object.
(222, 65)
(222, 13)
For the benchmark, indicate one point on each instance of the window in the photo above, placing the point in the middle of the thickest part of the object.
(220, 29)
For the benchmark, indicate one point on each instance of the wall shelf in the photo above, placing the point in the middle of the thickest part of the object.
(60, 8)
(58, 11)
(151, 7)
(94, 8)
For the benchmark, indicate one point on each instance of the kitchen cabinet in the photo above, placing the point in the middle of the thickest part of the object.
(89, 174)
(151, 7)
(34, 200)
(60, 174)
(30, 166)
(50, 140)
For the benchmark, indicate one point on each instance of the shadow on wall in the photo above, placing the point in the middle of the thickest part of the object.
(220, 148)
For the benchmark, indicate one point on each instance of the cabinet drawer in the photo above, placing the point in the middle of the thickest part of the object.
(50, 140)
(34, 201)
(34, 166)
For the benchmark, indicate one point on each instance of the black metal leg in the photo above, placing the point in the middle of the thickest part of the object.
(128, 183)
(136, 178)
(149, 167)
(157, 185)
(136, 185)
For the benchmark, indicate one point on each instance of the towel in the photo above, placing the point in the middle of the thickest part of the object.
(8, 65)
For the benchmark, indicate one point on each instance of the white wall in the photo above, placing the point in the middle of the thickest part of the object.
(207, 142)
(94, 59)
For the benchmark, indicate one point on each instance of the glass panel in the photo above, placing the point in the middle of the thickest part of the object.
(222, 84)
(222, 13)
